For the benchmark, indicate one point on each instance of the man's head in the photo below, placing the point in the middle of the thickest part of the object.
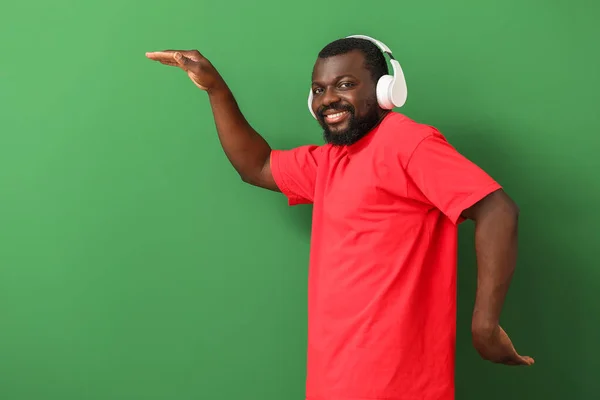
(344, 83)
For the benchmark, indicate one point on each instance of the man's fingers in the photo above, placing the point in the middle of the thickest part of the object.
(528, 360)
(172, 58)
(169, 62)
(164, 56)
(520, 360)
(159, 55)
(193, 55)
(181, 59)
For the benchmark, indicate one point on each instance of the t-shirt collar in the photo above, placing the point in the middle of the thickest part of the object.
(365, 140)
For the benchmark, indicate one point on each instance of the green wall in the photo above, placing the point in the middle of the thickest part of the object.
(134, 264)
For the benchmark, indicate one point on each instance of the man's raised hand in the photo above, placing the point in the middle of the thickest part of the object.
(199, 69)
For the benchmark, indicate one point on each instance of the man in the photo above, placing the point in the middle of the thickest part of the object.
(387, 195)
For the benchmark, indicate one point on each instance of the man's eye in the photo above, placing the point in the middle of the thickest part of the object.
(317, 91)
(346, 84)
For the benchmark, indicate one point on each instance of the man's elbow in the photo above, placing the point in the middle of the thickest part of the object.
(254, 178)
(508, 206)
(251, 179)
(516, 211)
(503, 203)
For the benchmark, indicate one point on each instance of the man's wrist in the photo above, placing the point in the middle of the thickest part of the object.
(483, 323)
(219, 88)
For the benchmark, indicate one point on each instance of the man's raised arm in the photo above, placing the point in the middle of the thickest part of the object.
(245, 148)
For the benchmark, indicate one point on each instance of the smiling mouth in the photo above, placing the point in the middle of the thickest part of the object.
(337, 117)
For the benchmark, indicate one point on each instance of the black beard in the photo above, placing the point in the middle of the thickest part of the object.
(357, 127)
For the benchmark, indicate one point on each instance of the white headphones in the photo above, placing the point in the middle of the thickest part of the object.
(391, 89)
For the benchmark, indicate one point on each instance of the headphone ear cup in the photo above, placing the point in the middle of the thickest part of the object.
(384, 92)
(398, 89)
(310, 98)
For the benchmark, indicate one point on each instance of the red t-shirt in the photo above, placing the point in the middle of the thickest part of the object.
(382, 276)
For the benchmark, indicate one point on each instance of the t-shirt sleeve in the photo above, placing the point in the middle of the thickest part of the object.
(295, 172)
(450, 181)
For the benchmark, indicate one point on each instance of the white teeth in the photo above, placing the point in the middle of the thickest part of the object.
(336, 115)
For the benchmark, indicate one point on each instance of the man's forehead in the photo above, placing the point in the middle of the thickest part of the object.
(351, 63)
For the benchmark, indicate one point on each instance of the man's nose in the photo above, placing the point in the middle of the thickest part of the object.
(330, 97)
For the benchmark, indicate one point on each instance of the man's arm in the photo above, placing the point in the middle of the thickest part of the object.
(496, 220)
(459, 188)
(247, 151)
(496, 231)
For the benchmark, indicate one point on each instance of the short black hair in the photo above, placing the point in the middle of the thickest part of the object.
(374, 60)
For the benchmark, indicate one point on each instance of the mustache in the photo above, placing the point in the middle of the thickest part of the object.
(334, 107)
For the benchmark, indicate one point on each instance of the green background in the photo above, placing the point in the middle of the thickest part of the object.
(134, 264)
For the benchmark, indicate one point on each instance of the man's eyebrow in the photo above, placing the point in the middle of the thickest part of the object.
(337, 78)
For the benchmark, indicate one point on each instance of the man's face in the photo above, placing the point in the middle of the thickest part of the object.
(344, 98)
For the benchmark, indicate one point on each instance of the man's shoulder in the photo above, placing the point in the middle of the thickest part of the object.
(403, 134)
(403, 129)
(304, 154)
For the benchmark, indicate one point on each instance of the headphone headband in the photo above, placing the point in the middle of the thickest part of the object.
(379, 44)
